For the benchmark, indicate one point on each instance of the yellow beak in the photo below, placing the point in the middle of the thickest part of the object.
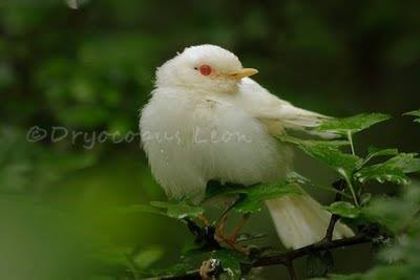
(244, 72)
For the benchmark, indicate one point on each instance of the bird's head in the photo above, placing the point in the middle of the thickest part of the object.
(205, 68)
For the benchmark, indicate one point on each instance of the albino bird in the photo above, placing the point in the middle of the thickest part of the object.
(207, 120)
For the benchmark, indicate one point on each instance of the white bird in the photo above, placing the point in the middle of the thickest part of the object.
(207, 120)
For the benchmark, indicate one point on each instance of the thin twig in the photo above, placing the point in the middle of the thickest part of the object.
(330, 230)
(339, 186)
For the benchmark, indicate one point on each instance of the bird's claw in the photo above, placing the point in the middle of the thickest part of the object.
(231, 240)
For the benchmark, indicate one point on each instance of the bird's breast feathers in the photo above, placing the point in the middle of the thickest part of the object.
(190, 139)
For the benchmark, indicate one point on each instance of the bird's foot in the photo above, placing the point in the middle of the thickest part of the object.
(237, 229)
(220, 226)
(232, 243)
(231, 240)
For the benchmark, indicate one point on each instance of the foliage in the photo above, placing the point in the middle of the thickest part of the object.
(85, 214)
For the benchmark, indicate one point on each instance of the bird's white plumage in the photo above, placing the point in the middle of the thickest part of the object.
(198, 128)
(205, 138)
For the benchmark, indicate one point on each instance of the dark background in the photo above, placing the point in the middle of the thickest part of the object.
(65, 206)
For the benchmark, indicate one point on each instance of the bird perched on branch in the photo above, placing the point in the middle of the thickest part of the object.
(207, 120)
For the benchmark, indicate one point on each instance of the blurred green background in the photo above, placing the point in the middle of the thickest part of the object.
(64, 206)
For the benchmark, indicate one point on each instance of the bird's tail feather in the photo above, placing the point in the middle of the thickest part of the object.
(301, 221)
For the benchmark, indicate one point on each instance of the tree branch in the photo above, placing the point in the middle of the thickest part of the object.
(287, 257)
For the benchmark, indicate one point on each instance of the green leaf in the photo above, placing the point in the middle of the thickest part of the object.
(253, 200)
(327, 152)
(352, 124)
(215, 188)
(179, 210)
(392, 170)
(377, 152)
(381, 174)
(344, 209)
(374, 152)
(415, 113)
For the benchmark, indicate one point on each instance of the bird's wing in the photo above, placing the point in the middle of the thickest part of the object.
(275, 113)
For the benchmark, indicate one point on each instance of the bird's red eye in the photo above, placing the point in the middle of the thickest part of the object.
(205, 70)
